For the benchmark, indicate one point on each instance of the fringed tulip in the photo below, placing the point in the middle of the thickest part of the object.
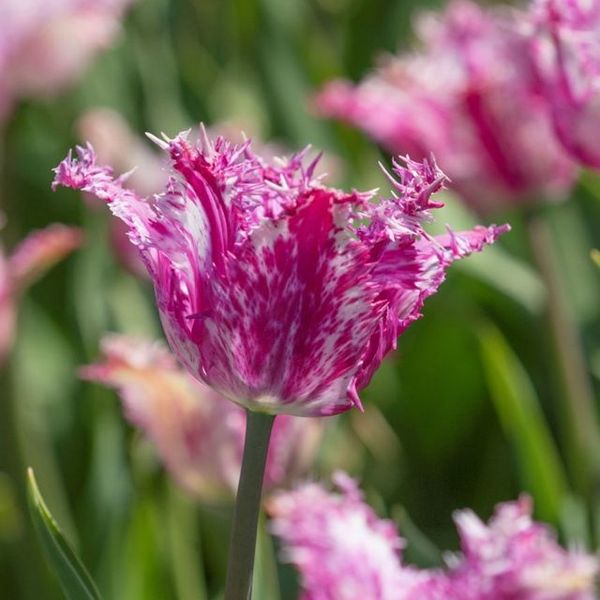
(565, 41)
(470, 96)
(343, 551)
(280, 293)
(198, 435)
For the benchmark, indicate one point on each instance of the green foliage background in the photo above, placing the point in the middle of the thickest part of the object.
(467, 412)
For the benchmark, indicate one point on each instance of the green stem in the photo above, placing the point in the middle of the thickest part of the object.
(247, 506)
(583, 435)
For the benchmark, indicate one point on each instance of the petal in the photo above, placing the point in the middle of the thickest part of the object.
(288, 323)
(40, 251)
(82, 173)
(513, 556)
(406, 274)
(169, 230)
(566, 52)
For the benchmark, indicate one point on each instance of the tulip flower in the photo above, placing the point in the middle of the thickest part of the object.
(278, 292)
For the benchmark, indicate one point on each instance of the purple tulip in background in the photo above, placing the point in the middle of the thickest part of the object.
(470, 96)
(198, 436)
(280, 293)
(343, 551)
(565, 41)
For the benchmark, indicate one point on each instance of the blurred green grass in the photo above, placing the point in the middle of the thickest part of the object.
(469, 399)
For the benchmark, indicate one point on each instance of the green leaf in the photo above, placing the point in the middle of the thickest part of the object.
(74, 579)
(524, 423)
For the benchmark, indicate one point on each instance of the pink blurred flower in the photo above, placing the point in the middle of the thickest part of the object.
(343, 551)
(46, 44)
(565, 42)
(514, 557)
(199, 436)
(37, 253)
(282, 294)
(341, 548)
(471, 97)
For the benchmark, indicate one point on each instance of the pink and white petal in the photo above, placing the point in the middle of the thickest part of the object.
(169, 230)
(460, 244)
(513, 556)
(406, 274)
(40, 251)
(291, 318)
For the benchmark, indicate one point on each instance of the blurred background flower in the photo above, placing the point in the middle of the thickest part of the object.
(343, 550)
(32, 257)
(197, 433)
(565, 40)
(45, 46)
(468, 95)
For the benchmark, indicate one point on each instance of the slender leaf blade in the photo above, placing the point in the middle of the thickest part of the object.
(524, 423)
(74, 579)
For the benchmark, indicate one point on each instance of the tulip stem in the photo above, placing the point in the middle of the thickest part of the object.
(581, 418)
(247, 505)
